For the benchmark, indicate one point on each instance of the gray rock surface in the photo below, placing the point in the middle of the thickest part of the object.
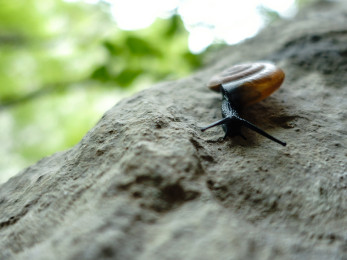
(146, 183)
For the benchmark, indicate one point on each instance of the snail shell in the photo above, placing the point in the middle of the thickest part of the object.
(243, 85)
(248, 83)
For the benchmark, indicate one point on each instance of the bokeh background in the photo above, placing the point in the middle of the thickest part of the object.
(63, 63)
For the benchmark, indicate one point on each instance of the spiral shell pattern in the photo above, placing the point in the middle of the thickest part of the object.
(248, 83)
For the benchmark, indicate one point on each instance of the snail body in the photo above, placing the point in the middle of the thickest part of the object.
(243, 85)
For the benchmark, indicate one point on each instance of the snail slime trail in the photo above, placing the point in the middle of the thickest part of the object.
(243, 85)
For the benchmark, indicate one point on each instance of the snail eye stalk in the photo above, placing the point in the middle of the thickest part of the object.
(244, 85)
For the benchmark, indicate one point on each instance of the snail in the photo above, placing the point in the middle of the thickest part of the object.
(243, 85)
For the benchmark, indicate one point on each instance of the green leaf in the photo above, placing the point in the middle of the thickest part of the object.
(112, 48)
(139, 46)
(175, 26)
(101, 73)
(127, 76)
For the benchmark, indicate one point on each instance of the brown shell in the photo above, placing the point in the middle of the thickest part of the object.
(252, 82)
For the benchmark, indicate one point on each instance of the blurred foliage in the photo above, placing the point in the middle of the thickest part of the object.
(158, 52)
(63, 64)
(268, 14)
(303, 3)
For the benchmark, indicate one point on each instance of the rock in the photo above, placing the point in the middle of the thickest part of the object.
(146, 183)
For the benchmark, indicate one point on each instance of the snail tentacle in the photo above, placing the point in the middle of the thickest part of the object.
(243, 85)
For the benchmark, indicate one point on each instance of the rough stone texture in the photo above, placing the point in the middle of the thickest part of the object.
(145, 183)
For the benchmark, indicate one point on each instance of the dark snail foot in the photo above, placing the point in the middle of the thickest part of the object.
(244, 137)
